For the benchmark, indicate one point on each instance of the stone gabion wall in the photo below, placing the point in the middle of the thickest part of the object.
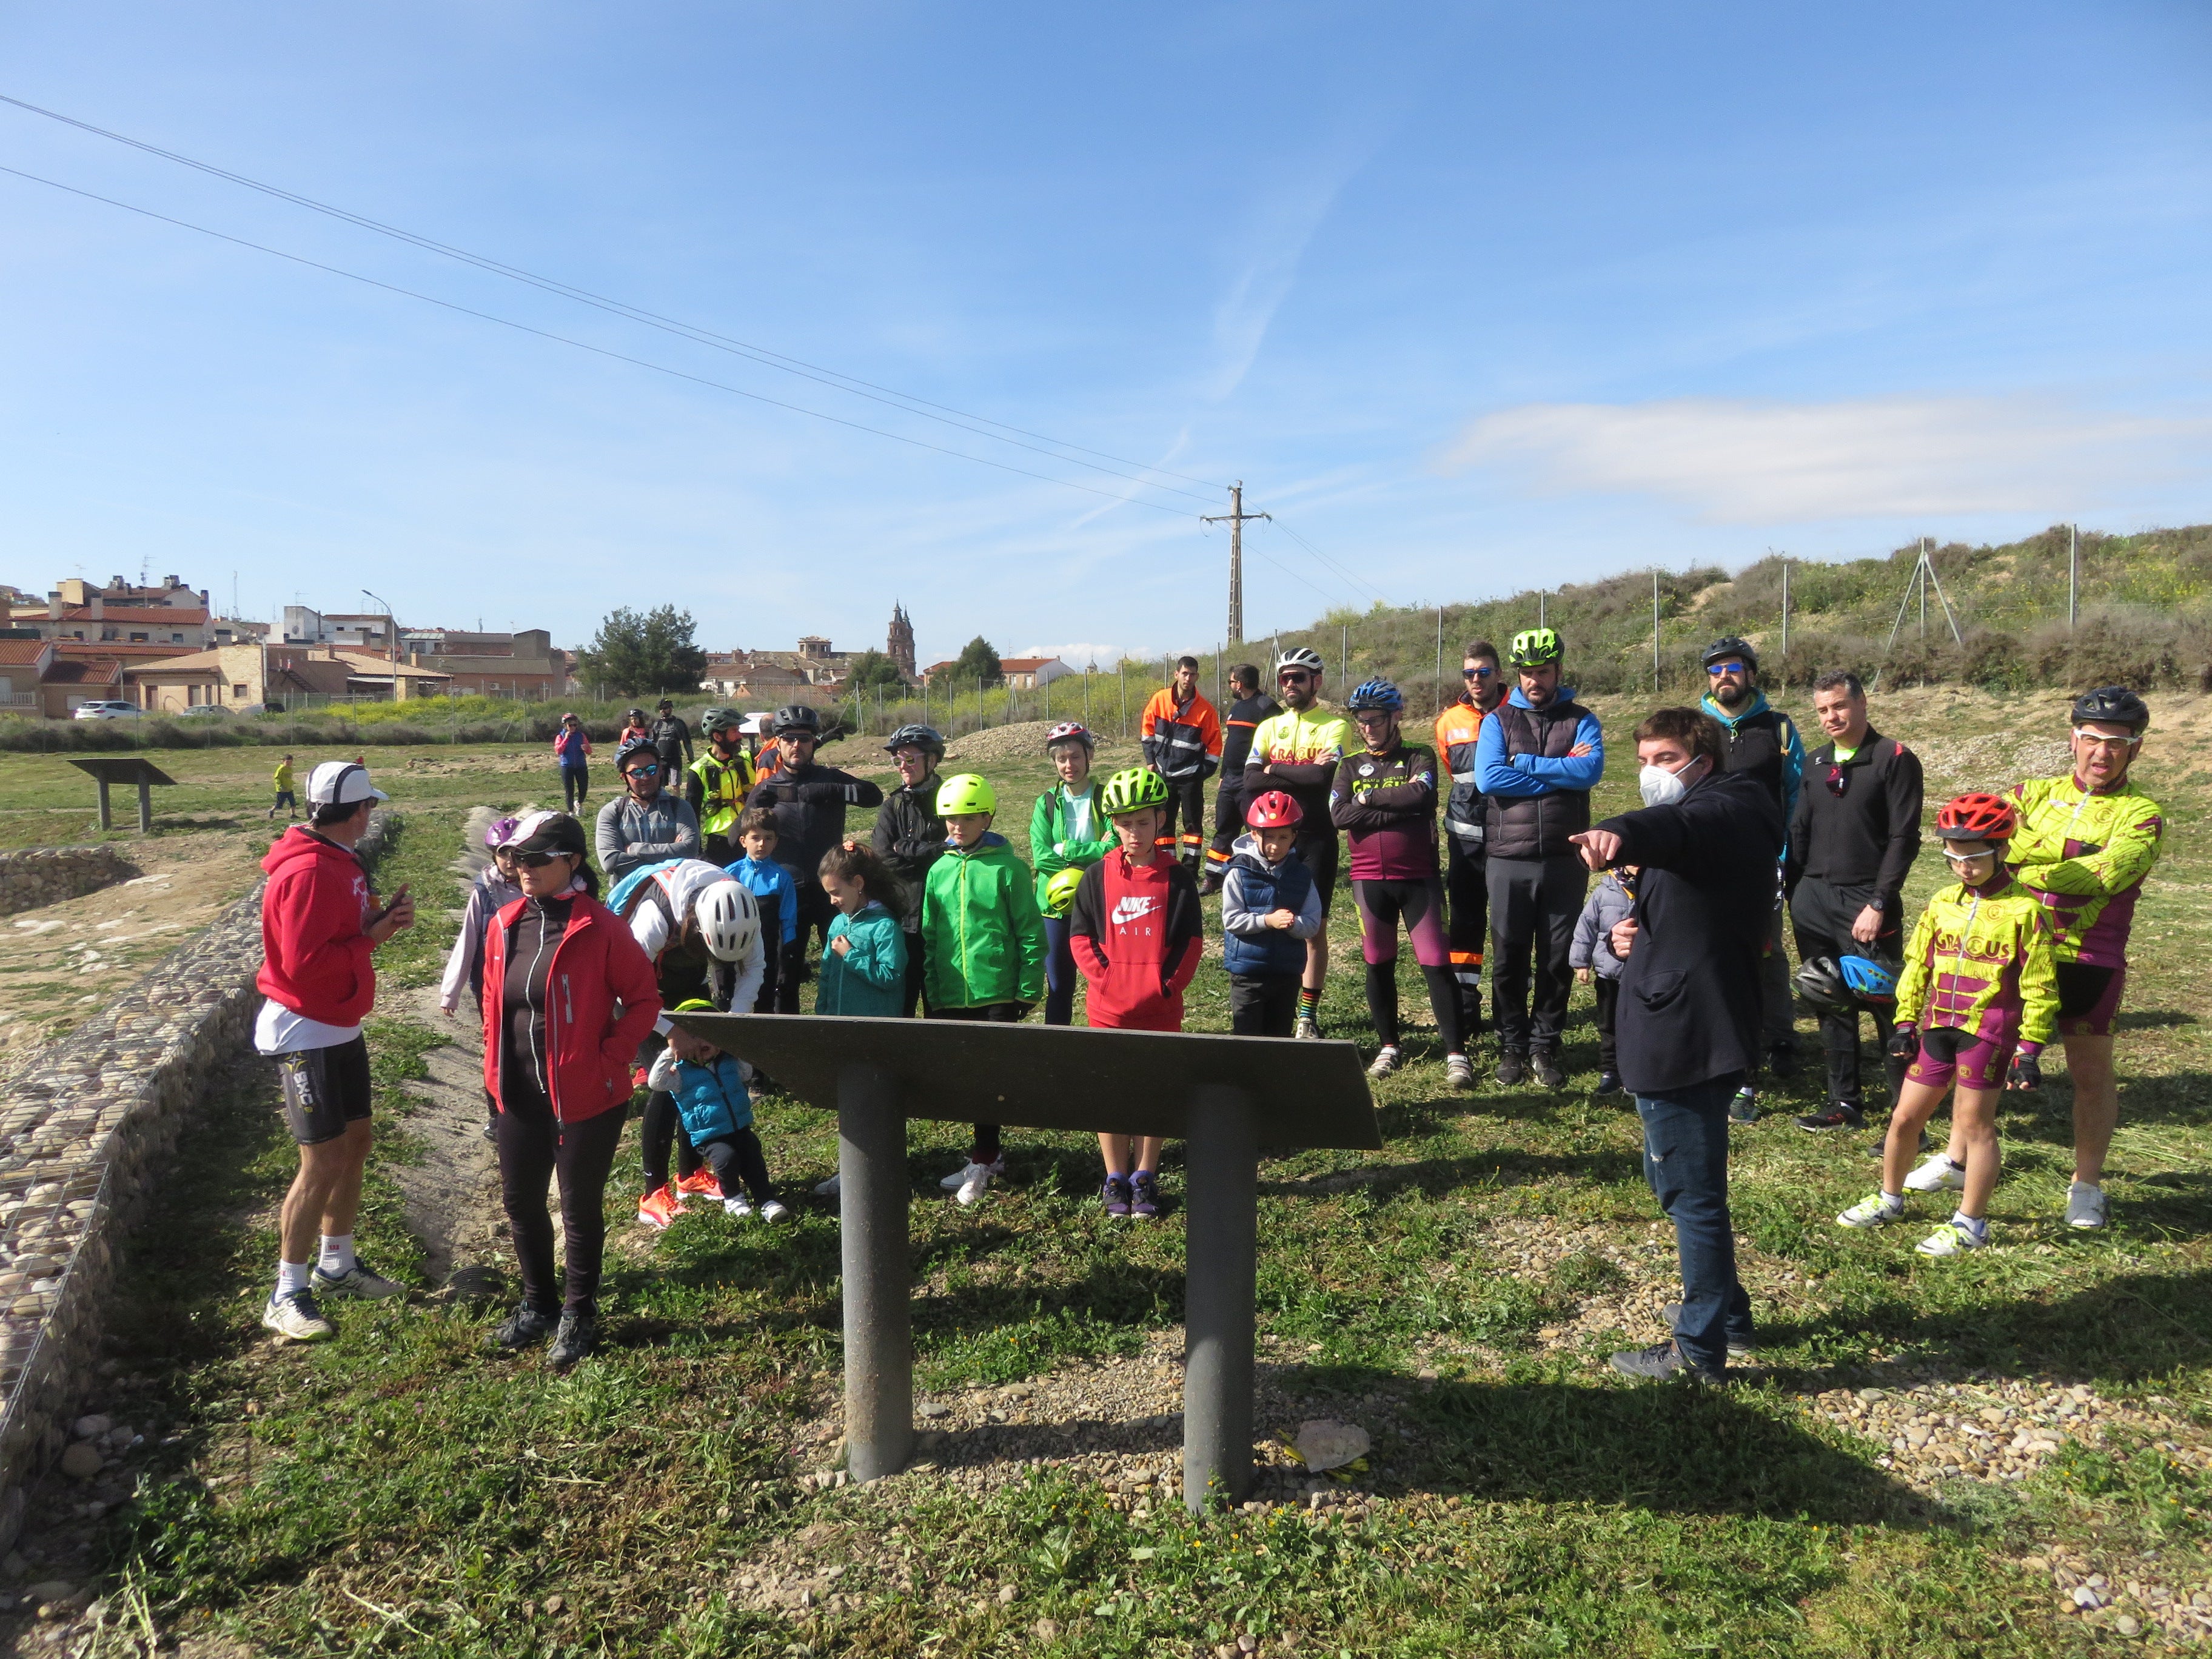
(82, 1124)
(39, 875)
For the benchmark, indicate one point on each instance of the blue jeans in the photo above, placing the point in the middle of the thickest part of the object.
(1686, 1160)
(1059, 972)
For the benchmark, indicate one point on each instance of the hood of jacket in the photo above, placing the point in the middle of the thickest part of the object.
(299, 846)
(1758, 705)
(992, 842)
(1565, 693)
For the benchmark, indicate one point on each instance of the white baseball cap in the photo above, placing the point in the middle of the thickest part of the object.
(341, 783)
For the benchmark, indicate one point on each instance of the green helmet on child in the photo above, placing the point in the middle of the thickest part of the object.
(965, 791)
(1132, 791)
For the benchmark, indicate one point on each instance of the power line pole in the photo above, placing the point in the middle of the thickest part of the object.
(1235, 519)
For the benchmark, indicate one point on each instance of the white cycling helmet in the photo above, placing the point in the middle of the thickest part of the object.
(1300, 657)
(729, 920)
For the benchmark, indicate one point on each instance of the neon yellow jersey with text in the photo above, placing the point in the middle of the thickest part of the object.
(2086, 856)
(1982, 962)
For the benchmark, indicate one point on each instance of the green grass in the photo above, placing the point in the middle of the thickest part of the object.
(396, 1492)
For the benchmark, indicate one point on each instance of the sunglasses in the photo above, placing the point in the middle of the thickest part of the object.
(1718, 669)
(1293, 676)
(538, 860)
(639, 771)
(1966, 858)
(1476, 673)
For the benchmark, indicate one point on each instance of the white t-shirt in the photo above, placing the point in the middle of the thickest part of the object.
(280, 1030)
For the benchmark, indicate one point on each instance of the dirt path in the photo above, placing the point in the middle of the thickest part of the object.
(452, 1191)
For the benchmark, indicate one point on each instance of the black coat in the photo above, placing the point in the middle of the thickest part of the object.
(1689, 1009)
(1867, 836)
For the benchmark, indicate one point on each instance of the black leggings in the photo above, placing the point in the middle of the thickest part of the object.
(1382, 1004)
(533, 1147)
(984, 1148)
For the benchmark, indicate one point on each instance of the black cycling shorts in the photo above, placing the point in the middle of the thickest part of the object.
(1318, 852)
(324, 1089)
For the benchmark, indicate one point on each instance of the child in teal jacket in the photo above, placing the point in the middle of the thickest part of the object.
(864, 964)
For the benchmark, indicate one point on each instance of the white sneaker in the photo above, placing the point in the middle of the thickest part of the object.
(738, 1207)
(968, 1172)
(1952, 1239)
(1937, 1173)
(296, 1316)
(1459, 1072)
(829, 1189)
(1385, 1062)
(977, 1184)
(1875, 1211)
(1308, 1029)
(358, 1281)
(2088, 1209)
(774, 1210)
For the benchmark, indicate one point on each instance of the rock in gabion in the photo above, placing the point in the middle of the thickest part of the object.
(82, 1126)
(38, 876)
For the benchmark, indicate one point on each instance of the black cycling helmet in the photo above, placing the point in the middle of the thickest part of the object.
(2111, 705)
(666, 702)
(1729, 645)
(799, 717)
(927, 739)
(1821, 982)
(635, 717)
(635, 747)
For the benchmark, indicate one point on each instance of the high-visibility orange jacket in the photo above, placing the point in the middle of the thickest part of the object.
(1183, 740)
(1457, 728)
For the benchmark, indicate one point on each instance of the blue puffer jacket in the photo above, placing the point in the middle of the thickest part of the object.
(1250, 891)
(711, 1099)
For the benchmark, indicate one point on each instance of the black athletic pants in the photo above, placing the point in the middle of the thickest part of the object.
(533, 1148)
(1228, 821)
(1466, 909)
(1186, 798)
(984, 1149)
(915, 976)
(815, 912)
(1821, 915)
(1262, 1005)
(1608, 1003)
(1533, 906)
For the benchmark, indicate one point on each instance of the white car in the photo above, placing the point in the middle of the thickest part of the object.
(200, 711)
(108, 711)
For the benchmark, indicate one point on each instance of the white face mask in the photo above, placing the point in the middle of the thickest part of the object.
(1662, 787)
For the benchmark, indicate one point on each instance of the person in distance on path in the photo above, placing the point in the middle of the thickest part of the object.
(1688, 1017)
(319, 924)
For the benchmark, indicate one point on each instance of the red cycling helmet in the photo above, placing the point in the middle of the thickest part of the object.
(1978, 817)
(1070, 731)
(1273, 810)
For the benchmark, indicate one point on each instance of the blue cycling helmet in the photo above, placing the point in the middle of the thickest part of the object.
(1870, 980)
(1376, 694)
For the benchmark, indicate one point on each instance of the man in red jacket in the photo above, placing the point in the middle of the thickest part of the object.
(320, 921)
(1137, 933)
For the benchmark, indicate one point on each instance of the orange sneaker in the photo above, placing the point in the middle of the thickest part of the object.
(700, 1183)
(658, 1208)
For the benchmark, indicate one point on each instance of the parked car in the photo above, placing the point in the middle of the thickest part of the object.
(108, 711)
(200, 710)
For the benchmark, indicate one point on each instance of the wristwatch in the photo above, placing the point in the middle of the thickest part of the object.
(1879, 902)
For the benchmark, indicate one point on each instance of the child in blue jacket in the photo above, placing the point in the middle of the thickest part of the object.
(776, 897)
(717, 1115)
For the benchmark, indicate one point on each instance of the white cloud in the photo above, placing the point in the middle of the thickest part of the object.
(1741, 461)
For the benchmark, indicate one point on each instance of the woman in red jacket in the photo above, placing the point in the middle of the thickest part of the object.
(568, 996)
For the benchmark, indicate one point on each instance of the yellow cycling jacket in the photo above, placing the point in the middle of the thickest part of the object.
(1982, 961)
(2086, 856)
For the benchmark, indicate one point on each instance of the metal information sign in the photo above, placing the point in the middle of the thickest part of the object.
(110, 768)
(1224, 1096)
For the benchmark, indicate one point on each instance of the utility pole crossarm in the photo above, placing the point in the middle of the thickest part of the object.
(1236, 517)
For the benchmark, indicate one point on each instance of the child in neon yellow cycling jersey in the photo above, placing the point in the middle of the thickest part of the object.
(1976, 1002)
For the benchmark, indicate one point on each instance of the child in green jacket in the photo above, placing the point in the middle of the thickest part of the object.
(983, 943)
(864, 964)
(1067, 832)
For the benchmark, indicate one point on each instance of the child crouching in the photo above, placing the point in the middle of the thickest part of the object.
(717, 1115)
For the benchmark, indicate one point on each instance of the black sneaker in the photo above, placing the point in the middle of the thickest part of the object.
(1874, 1147)
(1836, 1115)
(1739, 1348)
(1744, 1108)
(1782, 1061)
(578, 1335)
(1608, 1082)
(1512, 1069)
(1661, 1360)
(525, 1328)
(1549, 1072)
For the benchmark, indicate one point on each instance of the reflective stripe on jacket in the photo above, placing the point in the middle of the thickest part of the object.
(1183, 740)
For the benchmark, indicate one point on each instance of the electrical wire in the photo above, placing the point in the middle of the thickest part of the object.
(1330, 564)
(833, 379)
(582, 345)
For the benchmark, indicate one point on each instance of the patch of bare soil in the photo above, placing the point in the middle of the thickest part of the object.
(453, 1188)
(61, 964)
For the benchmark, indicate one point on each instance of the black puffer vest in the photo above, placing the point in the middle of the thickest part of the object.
(1537, 826)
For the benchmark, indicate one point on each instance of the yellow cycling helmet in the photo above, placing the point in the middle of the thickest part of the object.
(965, 791)
(1132, 791)
(1533, 648)
(1059, 892)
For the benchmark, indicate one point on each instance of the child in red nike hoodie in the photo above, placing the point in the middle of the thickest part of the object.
(1137, 934)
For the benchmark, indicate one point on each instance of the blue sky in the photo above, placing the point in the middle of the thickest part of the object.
(1471, 297)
